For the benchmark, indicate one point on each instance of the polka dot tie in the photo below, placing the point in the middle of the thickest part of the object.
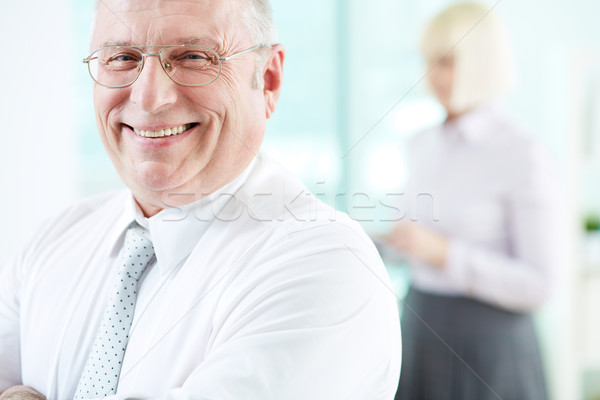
(101, 374)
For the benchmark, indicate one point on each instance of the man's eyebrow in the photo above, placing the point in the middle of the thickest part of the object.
(110, 43)
(194, 40)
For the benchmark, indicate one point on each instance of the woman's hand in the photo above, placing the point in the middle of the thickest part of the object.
(420, 243)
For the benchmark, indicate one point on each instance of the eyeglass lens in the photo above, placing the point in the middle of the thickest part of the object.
(188, 65)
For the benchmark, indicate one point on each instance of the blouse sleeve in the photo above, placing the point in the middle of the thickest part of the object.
(523, 279)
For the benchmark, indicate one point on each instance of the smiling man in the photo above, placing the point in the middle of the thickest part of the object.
(216, 275)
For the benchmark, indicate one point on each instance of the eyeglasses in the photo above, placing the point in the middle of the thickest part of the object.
(188, 65)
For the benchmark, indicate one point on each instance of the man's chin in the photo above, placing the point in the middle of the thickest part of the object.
(157, 191)
(152, 180)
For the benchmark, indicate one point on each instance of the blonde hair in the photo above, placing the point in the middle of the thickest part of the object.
(477, 40)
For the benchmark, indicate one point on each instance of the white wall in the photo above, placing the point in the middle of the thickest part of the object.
(39, 144)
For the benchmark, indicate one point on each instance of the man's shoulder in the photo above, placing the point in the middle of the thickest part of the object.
(283, 231)
(101, 203)
(273, 198)
(96, 208)
(274, 208)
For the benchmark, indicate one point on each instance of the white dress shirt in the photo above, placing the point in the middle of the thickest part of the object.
(259, 291)
(491, 190)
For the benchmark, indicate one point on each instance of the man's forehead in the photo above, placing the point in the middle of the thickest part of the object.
(129, 22)
(157, 5)
(206, 41)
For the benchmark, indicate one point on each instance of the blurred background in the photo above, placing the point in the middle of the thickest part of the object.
(353, 95)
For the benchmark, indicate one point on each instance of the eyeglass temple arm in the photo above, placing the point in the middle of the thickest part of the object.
(259, 46)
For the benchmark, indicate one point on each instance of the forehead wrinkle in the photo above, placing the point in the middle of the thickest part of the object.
(148, 25)
(189, 40)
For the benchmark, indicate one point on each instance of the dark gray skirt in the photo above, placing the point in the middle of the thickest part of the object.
(475, 352)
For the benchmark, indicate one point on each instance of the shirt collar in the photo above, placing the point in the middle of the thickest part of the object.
(474, 125)
(117, 235)
(174, 232)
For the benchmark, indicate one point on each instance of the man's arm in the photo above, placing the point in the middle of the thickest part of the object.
(21, 393)
(10, 361)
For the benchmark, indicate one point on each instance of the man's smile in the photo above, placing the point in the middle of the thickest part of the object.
(176, 130)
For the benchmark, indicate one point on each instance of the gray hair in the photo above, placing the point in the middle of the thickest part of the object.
(258, 17)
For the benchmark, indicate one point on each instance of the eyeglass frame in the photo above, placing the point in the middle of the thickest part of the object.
(162, 62)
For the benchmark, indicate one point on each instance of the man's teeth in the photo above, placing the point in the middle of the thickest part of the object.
(163, 132)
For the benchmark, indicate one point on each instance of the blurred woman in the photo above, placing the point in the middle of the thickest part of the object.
(483, 241)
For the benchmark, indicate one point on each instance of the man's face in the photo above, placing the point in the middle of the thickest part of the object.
(226, 119)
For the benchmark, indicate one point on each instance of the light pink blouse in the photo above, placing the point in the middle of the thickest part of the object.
(492, 190)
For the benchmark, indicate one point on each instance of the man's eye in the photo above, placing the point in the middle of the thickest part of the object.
(121, 61)
(123, 58)
(195, 56)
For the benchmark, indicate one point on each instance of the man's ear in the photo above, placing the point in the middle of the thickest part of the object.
(273, 78)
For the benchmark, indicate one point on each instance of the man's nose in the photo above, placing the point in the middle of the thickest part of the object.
(153, 90)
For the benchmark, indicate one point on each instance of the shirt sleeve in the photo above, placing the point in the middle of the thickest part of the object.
(10, 362)
(523, 279)
(311, 320)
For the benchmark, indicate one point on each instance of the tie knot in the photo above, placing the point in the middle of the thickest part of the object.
(137, 253)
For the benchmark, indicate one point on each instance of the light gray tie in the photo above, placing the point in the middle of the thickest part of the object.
(100, 376)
